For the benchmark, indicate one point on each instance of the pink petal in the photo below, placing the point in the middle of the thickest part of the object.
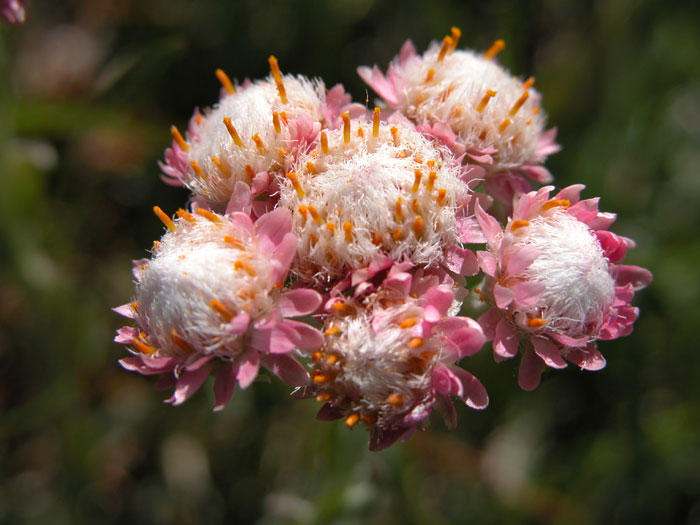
(488, 322)
(283, 256)
(548, 352)
(444, 405)
(302, 301)
(461, 261)
(146, 366)
(439, 298)
(638, 277)
(126, 334)
(531, 368)
(239, 324)
(329, 412)
(274, 226)
(125, 310)
(469, 231)
(224, 385)
(521, 259)
(502, 295)
(588, 358)
(401, 282)
(487, 262)
(506, 340)
(187, 384)
(307, 337)
(286, 368)
(380, 84)
(240, 200)
(527, 293)
(279, 339)
(243, 221)
(260, 183)
(489, 226)
(464, 333)
(246, 368)
(571, 193)
(475, 395)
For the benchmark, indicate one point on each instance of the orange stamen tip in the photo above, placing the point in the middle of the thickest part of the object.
(315, 215)
(430, 75)
(346, 127)
(276, 121)
(164, 218)
(418, 226)
(431, 180)
(395, 135)
(417, 176)
(332, 359)
(242, 265)
(232, 131)
(277, 75)
(211, 216)
(134, 306)
(396, 235)
(398, 210)
(375, 121)
(347, 228)
(316, 356)
(186, 216)
(415, 342)
(323, 397)
(249, 171)
(311, 167)
(529, 83)
(296, 184)
(415, 207)
(324, 142)
(222, 309)
(225, 81)
(340, 306)
(143, 347)
(222, 167)
(536, 323)
(177, 137)
(179, 341)
(408, 323)
(330, 227)
(394, 399)
(319, 379)
(447, 44)
(441, 196)
(197, 169)
(535, 111)
(485, 99)
(259, 144)
(504, 125)
(456, 33)
(519, 103)
(553, 203)
(360, 132)
(518, 223)
(495, 48)
(235, 242)
(332, 330)
(352, 420)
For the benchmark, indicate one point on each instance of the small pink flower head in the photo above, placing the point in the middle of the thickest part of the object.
(210, 300)
(389, 353)
(12, 11)
(474, 106)
(372, 189)
(553, 284)
(250, 135)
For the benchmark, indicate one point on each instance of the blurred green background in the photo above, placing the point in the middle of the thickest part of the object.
(88, 90)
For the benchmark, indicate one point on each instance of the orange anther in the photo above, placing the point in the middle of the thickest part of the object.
(396, 235)
(490, 93)
(311, 167)
(315, 215)
(352, 420)
(187, 216)
(536, 323)
(415, 342)
(317, 356)
(418, 226)
(441, 196)
(529, 83)
(503, 125)
(319, 379)
(242, 265)
(395, 135)
(431, 180)
(324, 142)
(360, 132)
(518, 223)
(222, 309)
(346, 127)
(197, 169)
(458, 111)
(276, 122)
(233, 241)
(341, 307)
(377, 239)
(495, 48)
(330, 226)
(223, 168)
(535, 111)
(456, 33)
(519, 103)
(552, 203)
(142, 346)
(417, 176)
(313, 239)
(213, 217)
(447, 44)
(134, 306)
(259, 144)
(414, 206)
(347, 228)
(430, 75)
(164, 218)
(225, 81)
(232, 131)
(398, 210)
(332, 330)
(179, 341)
(375, 121)
(249, 171)
(323, 397)
(332, 359)
(296, 184)
(177, 137)
(394, 399)
(408, 323)
(277, 75)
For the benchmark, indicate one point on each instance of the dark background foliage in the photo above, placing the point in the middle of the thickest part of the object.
(88, 89)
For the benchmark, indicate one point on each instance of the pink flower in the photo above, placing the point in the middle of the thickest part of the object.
(475, 107)
(210, 301)
(12, 11)
(552, 283)
(389, 354)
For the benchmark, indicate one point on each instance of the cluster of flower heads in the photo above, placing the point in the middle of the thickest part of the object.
(331, 243)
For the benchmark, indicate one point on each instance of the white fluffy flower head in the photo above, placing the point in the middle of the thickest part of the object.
(371, 189)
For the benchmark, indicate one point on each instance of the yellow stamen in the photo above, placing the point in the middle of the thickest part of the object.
(375, 121)
(232, 131)
(552, 203)
(213, 217)
(360, 132)
(417, 176)
(485, 99)
(518, 223)
(222, 309)
(447, 44)
(431, 180)
(529, 83)
(319, 379)
(441, 196)
(395, 135)
(430, 75)
(242, 265)
(418, 226)
(134, 306)
(223, 168)
(347, 228)
(143, 347)
(316, 356)
(408, 323)
(415, 207)
(296, 184)
(179, 341)
(232, 240)
(276, 121)
(458, 111)
(225, 81)
(332, 330)
(330, 227)
(303, 210)
(495, 48)
(323, 397)
(394, 399)
(332, 359)
(352, 420)
(346, 127)
(503, 125)
(311, 167)
(177, 137)
(398, 210)
(456, 33)
(519, 103)
(249, 171)
(415, 342)
(164, 218)
(536, 323)
(396, 235)
(324, 142)
(341, 307)
(277, 75)
(197, 169)
(259, 144)
(187, 216)
(315, 215)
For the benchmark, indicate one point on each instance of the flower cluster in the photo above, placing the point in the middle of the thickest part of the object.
(332, 244)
